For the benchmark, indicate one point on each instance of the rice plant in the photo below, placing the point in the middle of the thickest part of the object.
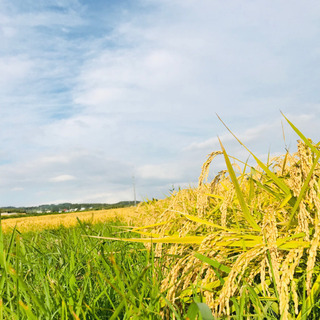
(246, 243)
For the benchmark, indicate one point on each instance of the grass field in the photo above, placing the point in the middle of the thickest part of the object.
(64, 274)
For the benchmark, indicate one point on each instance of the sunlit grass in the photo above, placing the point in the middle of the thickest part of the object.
(63, 274)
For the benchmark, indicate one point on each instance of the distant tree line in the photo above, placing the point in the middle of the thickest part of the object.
(62, 207)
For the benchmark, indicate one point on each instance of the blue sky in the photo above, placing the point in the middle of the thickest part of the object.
(94, 92)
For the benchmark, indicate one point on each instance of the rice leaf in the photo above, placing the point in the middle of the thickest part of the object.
(236, 307)
(201, 221)
(299, 133)
(212, 262)
(171, 239)
(256, 302)
(267, 188)
(285, 201)
(235, 182)
(149, 234)
(272, 175)
(214, 196)
(27, 310)
(293, 245)
(151, 225)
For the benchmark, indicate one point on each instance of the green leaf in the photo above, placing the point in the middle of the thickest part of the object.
(206, 222)
(305, 140)
(235, 182)
(193, 311)
(212, 262)
(199, 308)
(309, 303)
(272, 175)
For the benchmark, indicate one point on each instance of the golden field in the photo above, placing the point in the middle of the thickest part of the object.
(38, 223)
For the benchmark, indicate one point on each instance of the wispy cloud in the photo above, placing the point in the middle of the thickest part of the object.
(63, 178)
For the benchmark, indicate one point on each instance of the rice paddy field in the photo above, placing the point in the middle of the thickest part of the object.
(53, 221)
(242, 246)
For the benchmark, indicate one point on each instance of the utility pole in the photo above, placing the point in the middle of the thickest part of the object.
(134, 190)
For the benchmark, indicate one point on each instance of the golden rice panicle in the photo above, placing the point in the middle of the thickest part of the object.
(270, 235)
(312, 256)
(287, 273)
(182, 201)
(233, 281)
(295, 296)
(313, 201)
(215, 183)
(205, 167)
(183, 273)
(210, 278)
(295, 179)
(303, 220)
(301, 164)
(203, 190)
(305, 156)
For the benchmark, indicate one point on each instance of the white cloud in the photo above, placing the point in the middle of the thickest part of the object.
(63, 178)
(159, 172)
(17, 189)
(13, 70)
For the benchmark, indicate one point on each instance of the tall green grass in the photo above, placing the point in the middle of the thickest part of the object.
(63, 274)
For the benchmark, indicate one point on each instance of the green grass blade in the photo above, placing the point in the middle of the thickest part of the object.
(174, 311)
(133, 287)
(236, 307)
(26, 309)
(256, 302)
(310, 301)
